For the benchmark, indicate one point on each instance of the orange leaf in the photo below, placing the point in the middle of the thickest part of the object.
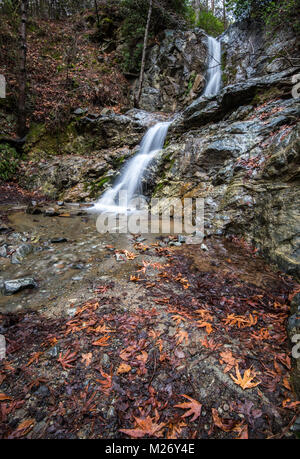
(178, 319)
(182, 336)
(123, 368)
(245, 382)
(102, 341)
(4, 397)
(143, 357)
(34, 358)
(207, 325)
(25, 426)
(106, 383)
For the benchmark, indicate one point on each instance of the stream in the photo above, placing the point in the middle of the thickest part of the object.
(68, 258)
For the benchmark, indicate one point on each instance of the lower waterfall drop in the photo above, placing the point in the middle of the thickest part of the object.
(131, 177)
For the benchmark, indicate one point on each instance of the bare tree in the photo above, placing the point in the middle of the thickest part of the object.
(97, 13)
(141, 79)
(224, 13)
(21, 127)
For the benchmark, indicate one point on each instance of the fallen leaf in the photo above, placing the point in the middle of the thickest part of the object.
(182, 336)
(227, 425)
(123, 368)
(35, 357)
(102, 341)
(207, 325)
(227, 358)
(145, 426)
(143, 357)
(4, 397)
(67, 359)
(193, 407)
(87, 358)
(245, 382)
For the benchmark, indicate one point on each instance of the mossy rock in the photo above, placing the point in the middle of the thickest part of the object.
(41, 142)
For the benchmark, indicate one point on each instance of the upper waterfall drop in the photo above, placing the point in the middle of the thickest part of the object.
(130, 179)
(214, 72)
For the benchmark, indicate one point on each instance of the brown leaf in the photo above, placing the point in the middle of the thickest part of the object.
(145, 426)
(87, 358)
(227, 358)
(193, 407)
(227, 425)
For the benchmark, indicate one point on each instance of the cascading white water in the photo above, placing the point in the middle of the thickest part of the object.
(214, 72)
(130, 179)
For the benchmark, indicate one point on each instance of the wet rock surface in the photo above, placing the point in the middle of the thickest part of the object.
(16, 285)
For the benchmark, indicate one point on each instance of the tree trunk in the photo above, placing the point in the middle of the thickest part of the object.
(97, 14)
(21, 127)
(141, 80)
(224, 14)
(213, 6)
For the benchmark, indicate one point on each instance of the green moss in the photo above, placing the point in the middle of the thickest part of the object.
(191, 82)
(263, 96)
(158, 187)
(102, 182)
(41, 142)
(95, 187)
(224, 60)
(117, 162)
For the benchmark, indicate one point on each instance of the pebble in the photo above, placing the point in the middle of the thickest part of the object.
(3, 250)
(105, 360)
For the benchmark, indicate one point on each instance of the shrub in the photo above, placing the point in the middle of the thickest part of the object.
(165, 14)
(9, 160)
(212, 25)
(273, 13)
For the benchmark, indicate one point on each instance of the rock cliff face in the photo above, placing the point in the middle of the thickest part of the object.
(175, 71)
(240, 151)
(249, 50)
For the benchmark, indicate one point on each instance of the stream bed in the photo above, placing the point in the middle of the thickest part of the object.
(120, 326)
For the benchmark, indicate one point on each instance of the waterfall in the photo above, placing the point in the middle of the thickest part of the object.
(214, 72)
(131, 177)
